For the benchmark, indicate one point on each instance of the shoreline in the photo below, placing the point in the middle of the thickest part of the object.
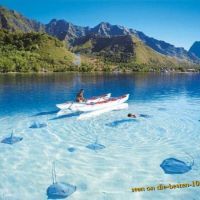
(102, 72)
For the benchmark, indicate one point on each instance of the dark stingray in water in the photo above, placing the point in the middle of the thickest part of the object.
(71, 149)
(175, 166)
(66, 116)
(11, 139)
(162, 109)
(145, 116)
(59, 190)
(38, 125)
(118, 122)
(95, 146)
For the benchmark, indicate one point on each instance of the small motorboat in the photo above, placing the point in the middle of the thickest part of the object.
(87, 107)
(68, 105)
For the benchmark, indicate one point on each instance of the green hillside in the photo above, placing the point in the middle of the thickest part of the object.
(126, 53)
(14, 21)
(26, 46)
(23, 52)
(146, 55)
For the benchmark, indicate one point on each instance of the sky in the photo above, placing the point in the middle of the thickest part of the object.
(174, 21)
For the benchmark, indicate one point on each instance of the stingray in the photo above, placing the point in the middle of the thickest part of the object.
(66, 116)
(38, 125)
(118, 122)
(59, 190)
(95, 146)
(162, 109)
(71, 149)
(145, 116)
(12, 139)
(175, 166)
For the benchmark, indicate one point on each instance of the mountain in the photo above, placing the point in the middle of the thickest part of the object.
(125, 49)
(101, 47)
(195, 49)
(165, 48)
(13, 21)
(116, 49)
(67, 31)
(105, 29)
(64, 30)
(22, 52)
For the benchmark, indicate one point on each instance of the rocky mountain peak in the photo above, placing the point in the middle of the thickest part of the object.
(64, 30)
(195, 49)
(107, 30)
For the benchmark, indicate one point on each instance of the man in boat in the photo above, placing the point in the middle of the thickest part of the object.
(79, 97)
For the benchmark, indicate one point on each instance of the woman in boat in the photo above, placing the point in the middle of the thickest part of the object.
(79, 97)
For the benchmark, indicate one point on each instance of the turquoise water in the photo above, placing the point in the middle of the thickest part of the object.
(133, 149)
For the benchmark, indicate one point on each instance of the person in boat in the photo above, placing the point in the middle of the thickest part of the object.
(79, 97)
(131, 115)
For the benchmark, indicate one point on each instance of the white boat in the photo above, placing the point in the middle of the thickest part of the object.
(101, 104)
(69, 105)
(95, 113)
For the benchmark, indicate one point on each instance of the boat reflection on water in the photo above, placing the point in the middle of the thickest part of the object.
(88, 115)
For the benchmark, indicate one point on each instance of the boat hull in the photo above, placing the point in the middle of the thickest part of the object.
(101, 105)
(68, 105)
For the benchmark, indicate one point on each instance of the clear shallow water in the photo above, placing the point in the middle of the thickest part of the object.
(134, 150)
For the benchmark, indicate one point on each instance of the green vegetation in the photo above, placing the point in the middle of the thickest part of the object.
(25, 52)
(14, 21)
(126, 53)
(39, 52)
(85, 47)
(146, 55)
(25, 47)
